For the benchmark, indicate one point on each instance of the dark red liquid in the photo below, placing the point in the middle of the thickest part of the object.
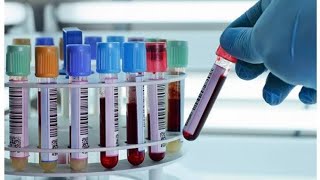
(174, 107)
(153, 155)
(190, 137)
(174, 115)
(135, 157)
(106, 161)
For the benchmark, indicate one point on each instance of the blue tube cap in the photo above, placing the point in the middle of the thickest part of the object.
(44, 41)
(71, 35)
(134, 59)
(78, 60)
(108, 57)
(92, 41)
(119, 39)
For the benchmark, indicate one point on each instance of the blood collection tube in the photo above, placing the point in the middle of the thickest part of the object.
(21, 41)
(71, 35)
(134, 65)
(78, 68)
(44, 41)
(18, 60)
(108, 66)
(156, 113)
(47, 70)
(177, 52)
(208, 94)
(119, 39)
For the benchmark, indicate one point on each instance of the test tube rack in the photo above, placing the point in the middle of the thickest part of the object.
(94, 168)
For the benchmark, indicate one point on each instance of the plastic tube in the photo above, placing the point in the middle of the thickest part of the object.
(18, 59)
(47, 70)
(177, 62)
(208, 94)
(134, 65)
(157, 116)
(78, 68)
(108, 66)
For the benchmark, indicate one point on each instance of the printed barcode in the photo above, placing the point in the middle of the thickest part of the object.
(116, 113)
(53, 113)
(83, 111)
(161, 94)
(201, 93)
(15, 113)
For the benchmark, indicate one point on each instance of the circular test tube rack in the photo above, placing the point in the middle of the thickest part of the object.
(95, 168)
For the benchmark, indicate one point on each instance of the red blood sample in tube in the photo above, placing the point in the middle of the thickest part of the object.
(208, 94)
(135, 156)
(154, 156)
(106, 161)
(207, 110)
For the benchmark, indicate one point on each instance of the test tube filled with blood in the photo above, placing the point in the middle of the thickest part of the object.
(208, 94)
(134, 65)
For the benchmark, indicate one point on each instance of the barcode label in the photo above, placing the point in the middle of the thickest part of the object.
(112, 117)
(79, 121)
(49, 124)
(140, 112)
(18, 120)
(203, 98)
(157, 110)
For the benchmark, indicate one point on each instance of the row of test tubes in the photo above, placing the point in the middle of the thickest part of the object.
(137, 58)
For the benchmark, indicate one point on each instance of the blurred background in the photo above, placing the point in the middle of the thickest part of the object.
(243, 137)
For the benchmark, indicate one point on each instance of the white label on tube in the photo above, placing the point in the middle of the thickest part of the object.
(79, 121)
(18, 120)
(157, 115)
(111, 115)
(49, 131)
(140, 112)
(203, 98)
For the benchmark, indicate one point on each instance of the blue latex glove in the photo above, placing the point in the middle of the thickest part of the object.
(279, 36)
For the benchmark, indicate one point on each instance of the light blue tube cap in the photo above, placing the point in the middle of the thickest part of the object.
(78, 60)
(134, 59)
(119, 39)
(108, 57)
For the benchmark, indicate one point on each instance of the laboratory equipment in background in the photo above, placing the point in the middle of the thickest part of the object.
(156, 98)
(177, 52)
(47, 70)
(18, 60)
(208, 94)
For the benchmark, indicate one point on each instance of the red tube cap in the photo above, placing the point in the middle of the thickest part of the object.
(222, 53)
(156, 56)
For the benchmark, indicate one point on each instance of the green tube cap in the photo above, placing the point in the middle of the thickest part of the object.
(177, 54)
(18, 60)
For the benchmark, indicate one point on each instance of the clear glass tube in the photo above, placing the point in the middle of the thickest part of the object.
(175, 108)
(135, 119)
(48, 124)
(206, 98)
(109, 115)
(79, 123)
(18, 122)
(157, 116)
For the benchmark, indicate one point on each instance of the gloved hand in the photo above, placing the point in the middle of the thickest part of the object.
(279, 36)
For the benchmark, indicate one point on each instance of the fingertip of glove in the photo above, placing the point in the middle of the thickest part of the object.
(248, 71)
(227, 38)
(271, 97)
(308, 96)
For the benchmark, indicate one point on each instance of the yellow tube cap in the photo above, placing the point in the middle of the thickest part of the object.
(21, 41)
(47, 61)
